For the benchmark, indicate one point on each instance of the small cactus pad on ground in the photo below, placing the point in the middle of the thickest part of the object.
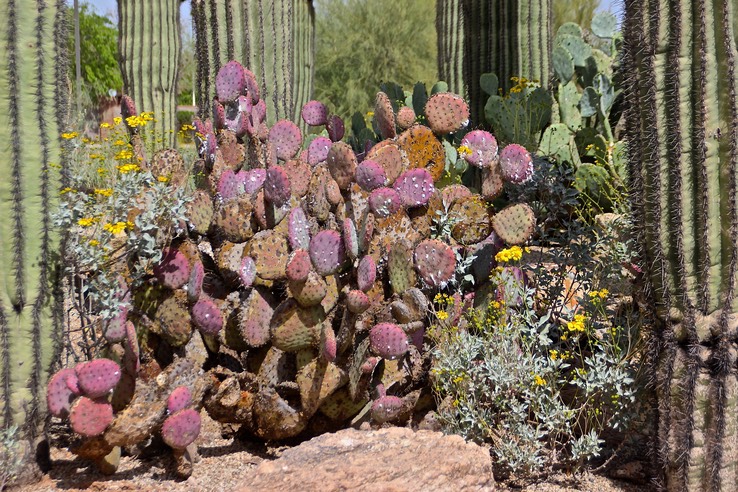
(435, 262)
(482, 147)
(386, 408)
(514, 224)
(97, 377)
(516, 164)
(446, 112)
(388, 341)
(181, 428)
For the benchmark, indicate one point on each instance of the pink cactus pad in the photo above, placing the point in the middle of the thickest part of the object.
(446, 112)
(287, 138)
(219, 115)
(435, 261)
(386, 409)
(483, 147)
(366, 274)
(253, 180)
(357, 302)
(314, 113)
(388, 341)
(405, 117)
(327, 252)
(299, 266)
(335, 127)
(73, 384)
(516, 164)
(90, 417)
(131, 356)
(384, 116)
(179, 399)
(341, 162)
(247, 272)
(369, 364)
(230, 82)
(97, 377)
(415, 187)
(173, 271)
(328, 346)
(384, 202)
(59, 395)
(318, 149)
(370, 175)
(207, 316)
(277, 187)
(230, 184)
(115, 328)
(298, 230)
(194, 284)
(181, 428)
(350, 238)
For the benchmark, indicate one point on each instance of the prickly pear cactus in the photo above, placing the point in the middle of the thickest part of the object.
(683, 151)
(33, 112)
(149, 60)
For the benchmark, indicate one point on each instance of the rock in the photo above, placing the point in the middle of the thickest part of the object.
(391, 459)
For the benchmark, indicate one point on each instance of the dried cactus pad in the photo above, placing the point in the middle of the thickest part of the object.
(384, 115)
(173, 271)
(314, 113)
(97, 377)
(181, 429)
(327, 252)
(287, 138)
(341, 163)
(435, 262)
(516, 164)
(230, 82)
(59, 395)
(446, 112)
(179, 399)
(387, 340)
(247, 271)
(318, 150)
(415, 187)
(90, 417)
(482, 146)
(514, 224)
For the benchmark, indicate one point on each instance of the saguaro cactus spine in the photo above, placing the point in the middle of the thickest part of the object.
(149, 45)
(273, 38)
(450, 40)
(33, 112)
(680, 57)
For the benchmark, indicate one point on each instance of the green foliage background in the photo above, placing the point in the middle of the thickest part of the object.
(361, 43)
(579, 11)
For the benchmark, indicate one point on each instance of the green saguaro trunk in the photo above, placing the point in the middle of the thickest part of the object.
(272, 38)
(510, 38)
(680, 57)
(149, 46)
(33, 113)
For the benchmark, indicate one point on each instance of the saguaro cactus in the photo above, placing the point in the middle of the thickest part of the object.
(149, 45)
(273, 38)
(511, 38)
(680, 57)
(33, 112)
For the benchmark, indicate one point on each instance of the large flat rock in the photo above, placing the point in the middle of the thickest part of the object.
(393, 459)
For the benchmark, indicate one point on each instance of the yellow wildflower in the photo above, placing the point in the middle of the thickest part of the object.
(539, 380)
(103, 191)
(116, 228)
(86, 140)
(120, 143)
(369, 114)
(117, 120)
(163, 179)
(87, 221)
(66, 190)
(101, 171)
(105, 124)
(69, 135)
(128, 168)
(187, 128)
(509, 254)
(97, 156)
(577, 324)
(94, 242)
(442, 315)
(464, 150)
(123, 155)
(554, 354)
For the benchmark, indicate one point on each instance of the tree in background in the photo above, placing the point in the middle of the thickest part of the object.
(579, 11)
(361, 43)
(99, 53)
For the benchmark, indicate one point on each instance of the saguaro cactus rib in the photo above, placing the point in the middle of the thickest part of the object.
(680, 57)
(33, 110)
(149, 45)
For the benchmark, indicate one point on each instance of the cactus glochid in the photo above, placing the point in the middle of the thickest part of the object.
(680, 61)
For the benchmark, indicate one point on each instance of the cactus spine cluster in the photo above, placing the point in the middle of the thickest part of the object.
(683, 148)
(273, 37)
(510, 38)
(33, 111)
(149, 45)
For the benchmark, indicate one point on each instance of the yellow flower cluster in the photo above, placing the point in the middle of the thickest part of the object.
(87, 221)
(142, 119)
(127, 168)
(187, 128)
(69, 135)
(117, 120)
(123, 155)
(67, 190)
(104, 191)
(163, 179)
(443, 299)
(118, 227)
(105, 124)
(599, 294)
(513, 253)
(464, 150)
(442, 315)
(577, 324)
(539, 380)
